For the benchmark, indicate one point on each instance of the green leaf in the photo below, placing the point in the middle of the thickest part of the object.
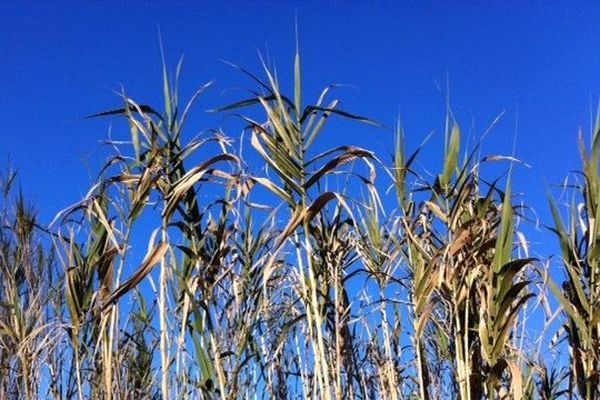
(297, 81)
(505, 236)
(451, 159)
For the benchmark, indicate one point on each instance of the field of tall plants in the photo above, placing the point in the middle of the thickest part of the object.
(260, 264)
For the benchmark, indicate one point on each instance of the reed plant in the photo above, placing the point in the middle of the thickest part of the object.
(579, 294)
(189, 272)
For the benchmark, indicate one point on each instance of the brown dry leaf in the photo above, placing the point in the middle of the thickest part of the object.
(152, 258)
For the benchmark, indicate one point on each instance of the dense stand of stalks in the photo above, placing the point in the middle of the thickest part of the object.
(260, 281)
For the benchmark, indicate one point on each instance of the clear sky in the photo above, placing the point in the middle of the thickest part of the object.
(62, 60)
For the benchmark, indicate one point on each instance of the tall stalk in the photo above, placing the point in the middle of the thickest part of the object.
(580, 292)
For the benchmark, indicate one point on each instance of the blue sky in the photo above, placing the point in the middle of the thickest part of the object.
(537, 62)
